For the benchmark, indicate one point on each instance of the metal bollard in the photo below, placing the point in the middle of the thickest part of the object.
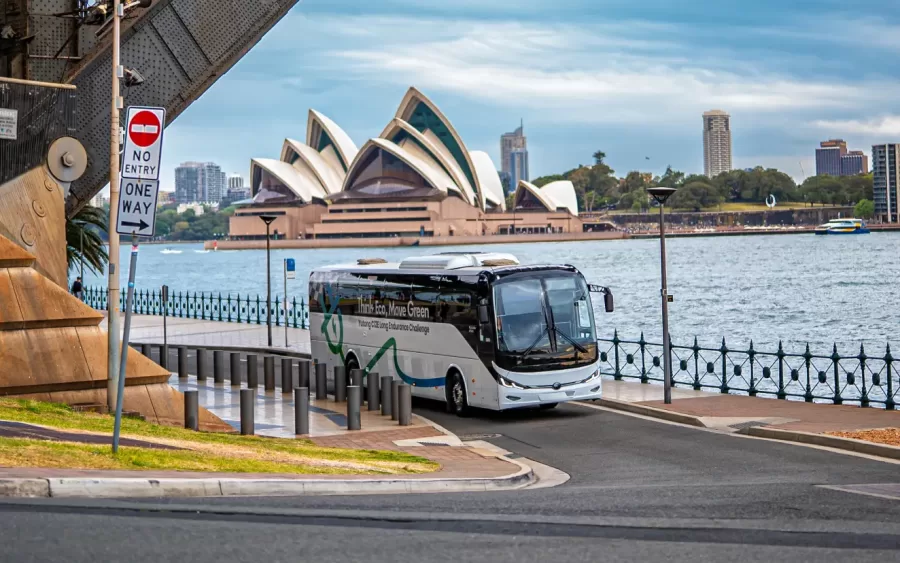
(201, 364)
(303, 378)
(356, 378)
(321, 382)
(405, 395)
(386, 394)
(248, 402)
(269, 373)
(235, 372)
(145, 350)
(182, 362)
(219, 366)
(252, 372)
(372, 390)
(340, 384)
(395, 399)
(301, 410)
(164, 356)
(287, 377)
(191, 410)
(354, 396)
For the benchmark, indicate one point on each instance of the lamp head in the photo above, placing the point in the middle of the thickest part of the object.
(661, 193)
(267, 219)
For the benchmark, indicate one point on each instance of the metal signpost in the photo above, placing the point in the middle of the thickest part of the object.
(290, 272)
(137, 212)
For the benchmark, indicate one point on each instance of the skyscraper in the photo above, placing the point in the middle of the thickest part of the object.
(510, 142)
(854, 163)
(199, 182)
(235, 182)
(518, 167)
(716, 142)
(886, 181)
(828, 157)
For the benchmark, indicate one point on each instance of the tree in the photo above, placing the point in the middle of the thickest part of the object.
(865, 209)
(598, 157)
(89, 222)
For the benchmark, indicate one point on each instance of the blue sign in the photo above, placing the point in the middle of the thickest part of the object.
(290, 268)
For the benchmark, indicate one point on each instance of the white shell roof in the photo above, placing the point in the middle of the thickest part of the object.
(305, 189)
(342, 141)
(488, 178)
(555, 195)
(429, 170)
(329, 178)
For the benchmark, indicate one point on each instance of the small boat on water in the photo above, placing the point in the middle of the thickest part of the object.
(843, 227)
(170, 251)
(202, 251)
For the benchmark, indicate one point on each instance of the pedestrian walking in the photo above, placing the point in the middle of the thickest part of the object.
(78, 288)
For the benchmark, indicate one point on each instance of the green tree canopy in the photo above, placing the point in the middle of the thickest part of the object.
(864, 209)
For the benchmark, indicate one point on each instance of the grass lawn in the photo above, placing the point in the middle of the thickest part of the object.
(203, 451)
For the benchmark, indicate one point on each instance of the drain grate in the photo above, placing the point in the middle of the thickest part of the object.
(748, 424)
(433, 444)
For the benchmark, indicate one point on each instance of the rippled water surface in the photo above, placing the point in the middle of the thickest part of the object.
(795, 288)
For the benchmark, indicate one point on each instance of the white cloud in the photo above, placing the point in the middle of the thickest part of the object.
(881, 126)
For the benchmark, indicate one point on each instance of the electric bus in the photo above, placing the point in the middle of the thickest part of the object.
(472, 329)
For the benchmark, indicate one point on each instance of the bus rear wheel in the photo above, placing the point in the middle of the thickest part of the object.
(456, 395)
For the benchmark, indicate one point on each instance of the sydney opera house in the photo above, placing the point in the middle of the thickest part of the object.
(416, 179)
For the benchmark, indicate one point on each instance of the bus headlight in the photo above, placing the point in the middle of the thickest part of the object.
(511, 384)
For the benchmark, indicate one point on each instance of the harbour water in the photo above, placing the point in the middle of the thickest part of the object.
(799, 289)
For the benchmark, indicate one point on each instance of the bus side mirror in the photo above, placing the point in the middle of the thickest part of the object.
(608, 301)
(483, 316)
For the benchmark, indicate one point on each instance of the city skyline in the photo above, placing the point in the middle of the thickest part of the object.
(618, 78)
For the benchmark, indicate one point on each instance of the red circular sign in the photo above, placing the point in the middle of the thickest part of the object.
(144, 129)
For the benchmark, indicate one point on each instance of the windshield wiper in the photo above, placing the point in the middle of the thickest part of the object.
(572, 341)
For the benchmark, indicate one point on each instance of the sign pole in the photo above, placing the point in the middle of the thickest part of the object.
(113, 283)
(121, 382)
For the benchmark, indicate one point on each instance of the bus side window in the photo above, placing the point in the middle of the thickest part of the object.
(458, 308)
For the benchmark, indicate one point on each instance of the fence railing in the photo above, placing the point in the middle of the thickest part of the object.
(835, 377)
(208, 306)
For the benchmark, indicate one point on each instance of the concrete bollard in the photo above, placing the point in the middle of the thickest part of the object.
(191, 410)
(269, 373)
(356, 378)
(182, 363)
(340, 384)
(372, 381)
(321, 382)
(252, 371)
(395, 399)
(164, 356)
(354, 397)
(202, 361)
(301, 410)
(287, 377)
(405, 396)
(234, 371)
(248, 402)
(218, 366)
(386, 394)
(303, 378)
(145, 350)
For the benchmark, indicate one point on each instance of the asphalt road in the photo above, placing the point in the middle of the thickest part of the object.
(639, 490)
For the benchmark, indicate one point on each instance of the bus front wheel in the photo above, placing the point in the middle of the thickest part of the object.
(456, 394)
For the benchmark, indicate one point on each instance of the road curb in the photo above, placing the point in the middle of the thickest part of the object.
(650, 411)
(849, 444)
(118, 487)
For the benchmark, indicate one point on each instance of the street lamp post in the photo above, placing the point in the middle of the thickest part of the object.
(267, 219)
(661, 194)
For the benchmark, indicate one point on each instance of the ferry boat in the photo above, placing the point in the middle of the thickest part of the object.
(843, 227)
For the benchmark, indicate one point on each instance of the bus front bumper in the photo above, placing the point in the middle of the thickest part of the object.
(512, 398)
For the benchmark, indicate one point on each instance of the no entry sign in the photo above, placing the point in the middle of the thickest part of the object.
(143, 143)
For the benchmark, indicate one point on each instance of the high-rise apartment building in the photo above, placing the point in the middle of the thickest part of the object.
(886, 181)
(510, 142)
(716, 143)
(199, 182)
(235, 182)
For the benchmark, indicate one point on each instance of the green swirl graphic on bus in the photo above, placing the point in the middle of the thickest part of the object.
(334, 320)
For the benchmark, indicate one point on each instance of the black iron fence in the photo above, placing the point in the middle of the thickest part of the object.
(209, 307)
(835, 378)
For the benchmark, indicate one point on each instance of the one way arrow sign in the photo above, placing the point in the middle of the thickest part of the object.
(137, 207)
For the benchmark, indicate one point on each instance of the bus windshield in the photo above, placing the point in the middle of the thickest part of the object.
(549, 315)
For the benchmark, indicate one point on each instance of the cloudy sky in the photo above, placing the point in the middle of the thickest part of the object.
(629, 77)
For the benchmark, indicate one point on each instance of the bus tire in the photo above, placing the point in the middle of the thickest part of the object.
(350, 363)
(457, 400)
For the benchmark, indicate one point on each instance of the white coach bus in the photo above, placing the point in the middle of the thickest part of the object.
(471, 329)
